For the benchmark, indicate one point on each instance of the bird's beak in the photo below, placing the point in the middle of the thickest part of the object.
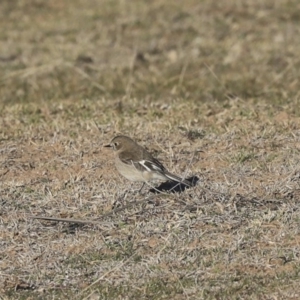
(107, 145)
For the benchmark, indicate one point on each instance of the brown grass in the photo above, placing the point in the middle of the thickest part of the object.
(221, 77)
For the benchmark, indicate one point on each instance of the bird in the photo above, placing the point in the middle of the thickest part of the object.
(135, 163)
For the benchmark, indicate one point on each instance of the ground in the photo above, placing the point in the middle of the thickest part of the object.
(210, 88)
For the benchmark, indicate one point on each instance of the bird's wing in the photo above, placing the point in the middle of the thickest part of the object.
(146, 163)
(152, 166)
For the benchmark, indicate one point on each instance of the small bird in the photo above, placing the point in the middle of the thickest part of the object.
(136, 164)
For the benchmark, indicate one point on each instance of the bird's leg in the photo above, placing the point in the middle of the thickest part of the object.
(141, 188)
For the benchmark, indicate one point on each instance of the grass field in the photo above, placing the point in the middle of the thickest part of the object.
(222, 77)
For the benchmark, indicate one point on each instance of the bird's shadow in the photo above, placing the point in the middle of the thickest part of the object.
(174, 187)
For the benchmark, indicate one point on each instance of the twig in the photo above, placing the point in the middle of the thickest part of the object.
(64, 220)
(96, 221)
(104, 275)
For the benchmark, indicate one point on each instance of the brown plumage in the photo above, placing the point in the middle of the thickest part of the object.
(136, 164)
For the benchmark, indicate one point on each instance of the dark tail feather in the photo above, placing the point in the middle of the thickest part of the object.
(178, 179)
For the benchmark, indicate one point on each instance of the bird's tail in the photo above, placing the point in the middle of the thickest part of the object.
(178, 179)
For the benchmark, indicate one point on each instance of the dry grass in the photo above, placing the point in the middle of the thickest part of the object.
(222, 77)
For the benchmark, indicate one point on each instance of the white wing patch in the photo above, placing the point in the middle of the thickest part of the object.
(150, 166)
